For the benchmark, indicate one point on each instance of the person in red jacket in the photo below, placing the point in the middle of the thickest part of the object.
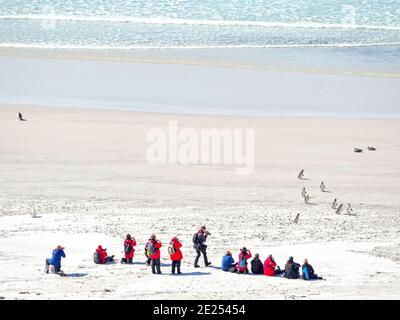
(244, 255)
(104, 258)
(129, 251)
(175, 254)
(153, 250)
(270, 268)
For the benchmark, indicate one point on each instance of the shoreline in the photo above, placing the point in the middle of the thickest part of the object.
(186, 89)
(134, 56)
(17, 107)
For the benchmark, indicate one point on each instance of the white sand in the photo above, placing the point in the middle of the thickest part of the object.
(85, 173)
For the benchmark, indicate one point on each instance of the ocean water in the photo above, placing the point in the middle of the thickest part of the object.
(347, 35)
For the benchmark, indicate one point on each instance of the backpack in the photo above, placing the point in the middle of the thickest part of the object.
(195, 238)
(306, 275)
(171, 249)
(128, 248)
(242, 262)
(151, 249)
(96, 258)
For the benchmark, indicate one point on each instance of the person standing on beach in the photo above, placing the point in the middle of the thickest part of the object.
(153, 249)
(339, 209)
(175, 253)
(301, 174)
(55, 261)
(334, 204)
(322, 187)
(199, 245)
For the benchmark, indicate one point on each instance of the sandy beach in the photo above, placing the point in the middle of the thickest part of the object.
(85, 173)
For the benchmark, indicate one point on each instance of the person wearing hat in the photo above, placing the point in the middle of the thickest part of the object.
(228, 263)
(292, 269)
(55, 262)
(175, 254)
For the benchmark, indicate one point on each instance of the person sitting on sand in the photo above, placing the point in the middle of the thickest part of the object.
(334, 204)
(308, 272)
(292, 269)
(103, 256)
(256, 265)
(301, 174)
(339, 209)
(54, 264)
(228, 263)
(349, 210)
(270, 268)
(322, 187)
(129, 250)
(244, 255)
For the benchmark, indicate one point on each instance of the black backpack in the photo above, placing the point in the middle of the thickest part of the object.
(128, 249)
(96, 258)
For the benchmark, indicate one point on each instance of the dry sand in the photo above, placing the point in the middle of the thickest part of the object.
(84, 171)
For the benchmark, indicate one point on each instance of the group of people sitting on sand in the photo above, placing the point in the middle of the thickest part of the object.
(269, 267)
(153, 255)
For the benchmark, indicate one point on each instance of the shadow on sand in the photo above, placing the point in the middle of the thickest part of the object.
(76, 275)
(195, 273)
(214, 267)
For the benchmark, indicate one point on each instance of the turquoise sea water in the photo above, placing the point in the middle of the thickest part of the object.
(359, 35)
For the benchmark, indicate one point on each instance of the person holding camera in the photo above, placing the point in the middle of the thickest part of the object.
(129, 249)
(55, 261)
(199, 245)
(153, 251)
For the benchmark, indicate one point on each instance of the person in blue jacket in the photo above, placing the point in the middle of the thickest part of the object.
(228, 263)
(55, 260)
